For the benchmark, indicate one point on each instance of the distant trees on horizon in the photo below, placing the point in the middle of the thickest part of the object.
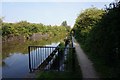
(26, 29)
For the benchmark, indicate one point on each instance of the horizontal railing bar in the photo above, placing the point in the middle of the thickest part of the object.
(43, 46)
(51, 47)
(66, 47)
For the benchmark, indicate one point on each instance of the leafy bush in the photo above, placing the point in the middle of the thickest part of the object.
(26, 29)
(86, 21)
(102, 41)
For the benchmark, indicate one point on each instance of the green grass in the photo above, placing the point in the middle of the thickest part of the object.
(50, 75)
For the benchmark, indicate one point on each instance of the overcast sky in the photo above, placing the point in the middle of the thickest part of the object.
(48, 13)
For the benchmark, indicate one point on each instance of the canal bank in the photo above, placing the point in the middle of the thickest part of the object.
(15, 56)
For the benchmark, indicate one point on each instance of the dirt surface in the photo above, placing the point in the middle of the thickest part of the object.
(86, 65)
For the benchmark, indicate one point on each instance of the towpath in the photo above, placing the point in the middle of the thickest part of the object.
(86, 65)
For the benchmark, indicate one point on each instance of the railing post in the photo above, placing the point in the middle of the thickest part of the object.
(73, 58)
(72, 41)
(29, 59)
(58, 59)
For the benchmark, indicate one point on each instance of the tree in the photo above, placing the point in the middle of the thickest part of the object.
(106, 36)
(64, 23)
(102, 41)
(1, 20)
(24, 28)
(86, 21)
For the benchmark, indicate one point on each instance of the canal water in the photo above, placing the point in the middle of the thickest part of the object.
(15, 58)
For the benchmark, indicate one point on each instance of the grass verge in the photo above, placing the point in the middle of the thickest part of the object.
(104, 71)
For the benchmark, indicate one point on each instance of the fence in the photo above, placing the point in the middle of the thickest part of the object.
(51, 58)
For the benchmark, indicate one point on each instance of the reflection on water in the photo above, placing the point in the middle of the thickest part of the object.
(16, 65)
(15, 57)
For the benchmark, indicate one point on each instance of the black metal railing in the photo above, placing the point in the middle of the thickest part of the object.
(41, 56)
(51, 58)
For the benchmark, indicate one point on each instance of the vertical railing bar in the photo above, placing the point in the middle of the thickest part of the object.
(44, 53)
(50, 54)
(34, 57)
(29, 59)
(64, 58)
(41, 54)
(58, 59)
(37, 56)
(48, 51)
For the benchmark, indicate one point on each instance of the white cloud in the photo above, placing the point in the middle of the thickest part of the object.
(58, 0)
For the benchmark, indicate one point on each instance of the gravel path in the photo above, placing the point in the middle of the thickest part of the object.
(85, 64)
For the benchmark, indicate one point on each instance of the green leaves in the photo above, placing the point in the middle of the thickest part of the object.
(24, 28)
(99, 33)
(86, 21)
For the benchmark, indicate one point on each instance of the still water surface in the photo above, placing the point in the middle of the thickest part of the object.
(15, 58)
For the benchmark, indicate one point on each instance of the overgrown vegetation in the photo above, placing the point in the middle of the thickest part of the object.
(98, 31)
(26, 29)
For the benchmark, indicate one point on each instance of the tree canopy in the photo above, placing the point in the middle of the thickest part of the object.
(98, 31)
(26, 29)
(86, 21)
(64, 23)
